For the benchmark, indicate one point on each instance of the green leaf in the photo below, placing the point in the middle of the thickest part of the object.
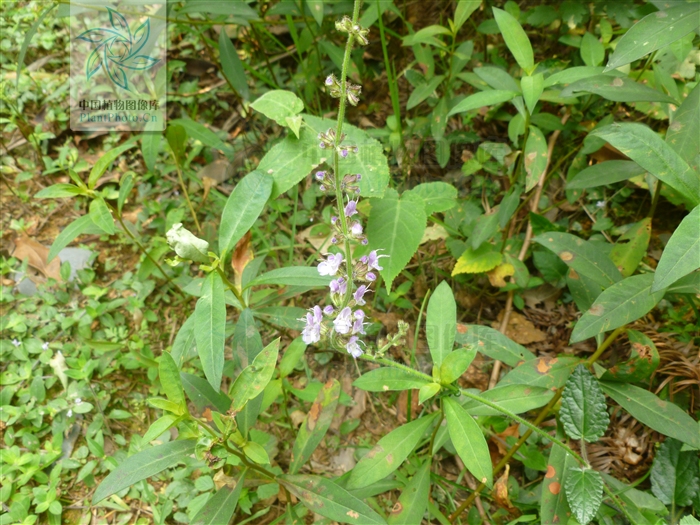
(631, 247)
(553, 505)
(256, 452)
(210, 328)
(481, 99)
(76, 228)
(243, 207)
(278, 105)
(106, 160)
(654, 31)
(463, 11)
(663, 416)
(184, 342)
(170, 380)
(27, 40)
(584, 492)
(326, 498)
(583, 256)
(497, 78)
(674, 475)
(427, 391)
(199, 132)
(683, 135)
(646, 148)
(101, 215)
(493, 344)
(255, 377)
(682, 253)
(532, 87)
(232, 66)
(292, 276)
(516, 39)
(413, 501)
(159, 426)
(485, 228)
(642, 507)
(618, 305)
(292, 159)
(437, 196)
(468, 441)
(176, 136)
(202, 395)
(643, 361)
(150, 147)
(571, 74)
(592, 50)
(545, 372)
(426, 36)
(441, 323)
(142, 465)
(483, 259)
(535, 157)
(583, 411)
(126, 184)
(316, 8)
(516, 398)
(58, 191)
(387, 378)
(216, 7)
(315, 425)
(291, 356)
(455, 364)
(396, 226)
(423, 91)
(389, 452)
(220, 507)
(617, 89)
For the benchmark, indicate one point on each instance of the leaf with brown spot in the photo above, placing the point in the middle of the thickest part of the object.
(315, 425)
(552, 372)
(553, 505)
(643, 361)
(36, 255)
(413, 501)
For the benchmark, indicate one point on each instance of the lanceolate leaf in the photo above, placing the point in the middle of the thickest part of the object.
(184, 342)
(243, 208)
(324, 497)
(423, 91)
(617, 89)
(170, 380)
(315, 425)
(396, 226)
(553, 505)
(653, 32)
(582, 256)
(413, 501)
(101, 215)
(203, 134)
(546, 372)
(662, 416)
(674, 474)
(618, 305)
(584, 492)
(386, 379)
(58, 191)
(516, 39)
(231, 65)
(643, 361)
(535, 160)
(683, 135)
(441, 323)
(484, 98)
(469, 441)
(632, 246)
(255, 377)
(515, 398)
(493, 344)
(455, 364)
(210, 328)
(682, 253)
(202, 395)
(604, 173)
(221, 506)
(583, 411)
(106, 160)
(647, 149)
(78, 227)
(247, 344)
(292, 276)
(140, 466)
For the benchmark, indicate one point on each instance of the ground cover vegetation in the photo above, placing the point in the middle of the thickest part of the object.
(391, 262)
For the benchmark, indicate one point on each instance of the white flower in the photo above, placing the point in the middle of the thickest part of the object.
(45, 346)
(78, 400)
(343, 323)
(353, 348)
(312, 331)
(330, 266)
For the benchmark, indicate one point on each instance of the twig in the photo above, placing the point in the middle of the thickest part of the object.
(495, 373)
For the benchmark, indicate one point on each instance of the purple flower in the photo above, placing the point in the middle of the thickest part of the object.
(350, 208)
(360, 294)
(329, 80)
(339, 286)
(343, 323)
(353, 348)
(334, 219)
(356, 229)
(372, 260)
(320, 175)
(322, 145)
(312, 331)
(328, 310)
(330, 266)
(358, 327)
(343, 153)
(371, 277)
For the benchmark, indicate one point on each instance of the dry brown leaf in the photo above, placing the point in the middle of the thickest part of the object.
(242, 255)
(500, 490)
(520, 329)
(498, 275)
(37, 254)
(321, 242)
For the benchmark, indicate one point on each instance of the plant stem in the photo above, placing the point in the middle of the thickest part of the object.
(231, 286)
(184, 191)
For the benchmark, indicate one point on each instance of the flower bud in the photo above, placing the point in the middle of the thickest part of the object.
(186, 244)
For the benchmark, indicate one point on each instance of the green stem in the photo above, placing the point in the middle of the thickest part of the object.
(178, 168)
(231, 286)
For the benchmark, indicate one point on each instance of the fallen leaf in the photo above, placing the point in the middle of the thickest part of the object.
(520, 329)
(500, 490)
(433, 233)
(497, 276)
(242, 255)
(36, 254)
